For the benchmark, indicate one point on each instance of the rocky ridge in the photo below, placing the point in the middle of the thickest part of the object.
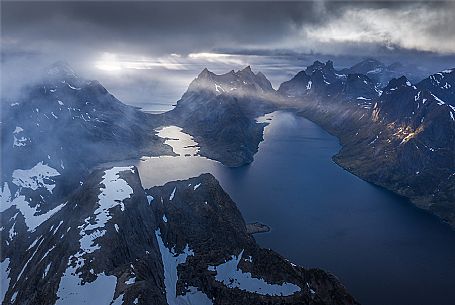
(400, 137)
(219, 111)
(183, 243)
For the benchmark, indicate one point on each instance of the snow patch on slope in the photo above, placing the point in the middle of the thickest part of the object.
(4, 284)
(170, 262)
(38, 176)
(31, 219)
(230, 275)
(101, 291)
(113, 193)
(172, 194)
(71, 291)
(19, 141)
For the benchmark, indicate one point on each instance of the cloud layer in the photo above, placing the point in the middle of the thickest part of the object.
(188, 27)
(146, 50)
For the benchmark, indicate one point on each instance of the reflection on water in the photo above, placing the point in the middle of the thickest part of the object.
(159, 170)
(182, 144)
(381, 247)
(156, 171)
(267, 118)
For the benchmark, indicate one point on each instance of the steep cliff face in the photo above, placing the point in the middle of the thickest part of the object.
(417, 136)
(112, 242)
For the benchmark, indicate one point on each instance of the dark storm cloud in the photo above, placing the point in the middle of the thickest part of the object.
(137, 49)
(159, 27)
(185, 27)
(154, 26)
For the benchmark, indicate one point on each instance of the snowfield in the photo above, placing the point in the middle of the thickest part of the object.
(100, 291)
(38, 176)
(19, 201)
(170, 262)
(230, 275)
(114, 191)
(4, 284)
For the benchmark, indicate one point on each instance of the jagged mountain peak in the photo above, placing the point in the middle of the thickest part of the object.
(61, 69)
(317, 65)
(231, 81)
(442, 84)
(247, 69)
(205, 74)
(301, 75)
(245, 73)
(368, 66)
(396, 83)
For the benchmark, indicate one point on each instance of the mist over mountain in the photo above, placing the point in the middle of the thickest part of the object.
(54, 142)
(149, 57)
(400, 136)
(218, 153)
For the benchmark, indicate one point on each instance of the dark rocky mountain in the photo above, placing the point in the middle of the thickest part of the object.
(227, 265)
(378, 127)
(73, 233)
(321, 81)
(381, 73)
(59, 129)
(219, 111)
(441, 85)
(418, 127)
(65, 107)
(183, 243)
(400, 137)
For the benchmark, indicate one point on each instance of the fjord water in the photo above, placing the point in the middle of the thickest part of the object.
(378, 244)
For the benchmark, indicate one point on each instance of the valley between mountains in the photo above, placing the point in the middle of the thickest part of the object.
(75, 231)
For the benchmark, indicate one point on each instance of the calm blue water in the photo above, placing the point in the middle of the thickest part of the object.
(386, 251)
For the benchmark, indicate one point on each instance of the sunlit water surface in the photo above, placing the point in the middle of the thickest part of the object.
(381, 247)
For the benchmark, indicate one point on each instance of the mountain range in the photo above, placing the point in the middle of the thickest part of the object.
(74, 230)
(401, 136)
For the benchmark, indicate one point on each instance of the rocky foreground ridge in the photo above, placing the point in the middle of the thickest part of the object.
(113, 242)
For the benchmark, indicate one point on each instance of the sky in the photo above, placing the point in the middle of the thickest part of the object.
(147, 52)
